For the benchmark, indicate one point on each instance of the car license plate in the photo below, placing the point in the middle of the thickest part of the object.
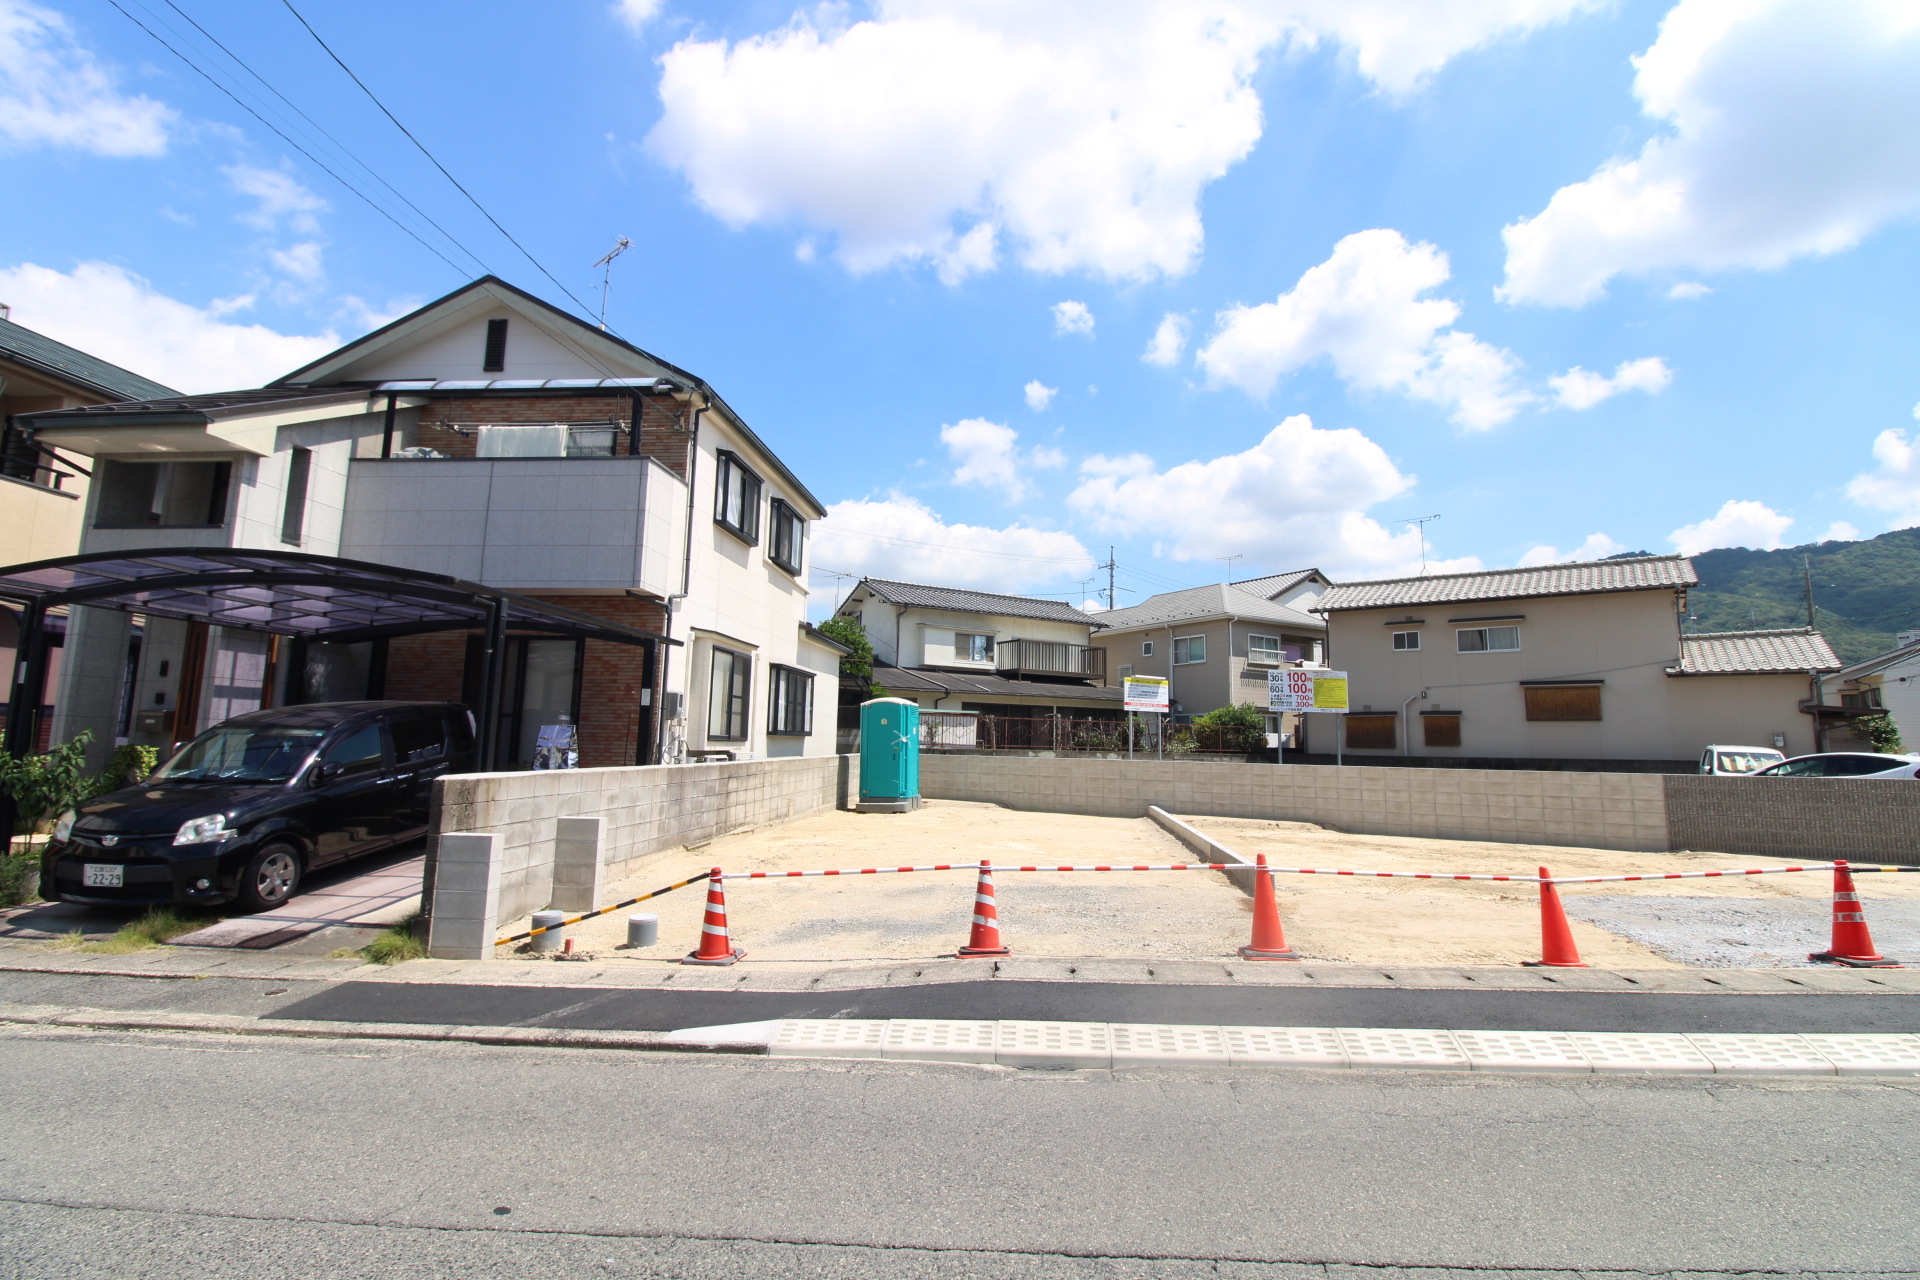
(103, 875)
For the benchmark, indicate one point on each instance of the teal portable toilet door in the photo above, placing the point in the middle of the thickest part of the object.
(889, 755)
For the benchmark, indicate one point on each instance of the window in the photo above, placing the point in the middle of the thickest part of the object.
(1265, 650)
(359, 753)
(972, 647)
(736, 498)
(135, 495)
(294, 518)
(790, 702)
(789, 537)
(1489, 640)
(1563, 701)
(1126, 671)
(1188, 650)
(419, 739)
(1371, 733)
(1440, 728)
(1869, 697)
(1146, 648)
(1407, 640)
(727, 695)
(495, 359)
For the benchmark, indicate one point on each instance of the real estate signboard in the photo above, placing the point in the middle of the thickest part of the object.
(1307, 690)
(1145, 693)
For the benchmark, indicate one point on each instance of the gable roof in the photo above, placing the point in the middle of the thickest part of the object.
(963, 601)
(1216, 600)
(1880, 662)
(1579, 578)
(1277, 583)
(1785, 651)
(56, 359)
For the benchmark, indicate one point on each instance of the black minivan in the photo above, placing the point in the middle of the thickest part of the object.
(244, 811)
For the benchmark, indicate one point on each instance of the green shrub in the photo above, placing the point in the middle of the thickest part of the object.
(850, 632)
(15, 870)
(1882, 732)
(1241, 728)
(405, 940)
(45, 786)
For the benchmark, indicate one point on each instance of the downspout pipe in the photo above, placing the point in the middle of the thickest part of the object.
(686, 579)
(1406, 725)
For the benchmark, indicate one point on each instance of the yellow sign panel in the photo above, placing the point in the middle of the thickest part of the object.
(1330, 694)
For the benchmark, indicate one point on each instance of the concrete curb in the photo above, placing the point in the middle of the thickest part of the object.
(235, 1024)
(1209, 849)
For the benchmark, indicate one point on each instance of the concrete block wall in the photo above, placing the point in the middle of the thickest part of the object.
(645, 810)
(1807, 819)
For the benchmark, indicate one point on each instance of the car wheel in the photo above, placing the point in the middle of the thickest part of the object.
(271, 877)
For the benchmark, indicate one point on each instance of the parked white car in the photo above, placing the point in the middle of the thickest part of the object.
(1725, 761)
(1845, 764)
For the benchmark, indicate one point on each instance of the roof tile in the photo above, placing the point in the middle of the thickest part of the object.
(914, 593)
(1589, 577)
(1792, 650)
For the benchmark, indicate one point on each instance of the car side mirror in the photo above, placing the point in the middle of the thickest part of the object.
(328, 772)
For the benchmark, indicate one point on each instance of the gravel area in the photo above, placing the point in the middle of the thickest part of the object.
(1715, 933)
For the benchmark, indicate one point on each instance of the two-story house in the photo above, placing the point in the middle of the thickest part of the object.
(1216, 644)
(1564, 664)
(486, 439)
(1016, 657)
(1885, 683)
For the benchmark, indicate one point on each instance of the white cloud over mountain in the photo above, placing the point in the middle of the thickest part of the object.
(1598, 546)
(1893, 485)
(55, 92)
(1367, 310)
(1785, 128)
(901, 537)
(1736, 524)
(1077, 135)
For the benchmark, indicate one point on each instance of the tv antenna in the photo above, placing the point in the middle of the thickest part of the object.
(1228, 561)
(606, 276)
(1420, 522)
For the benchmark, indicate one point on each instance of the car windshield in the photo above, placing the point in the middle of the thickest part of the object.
(266, 753)
(1747, 761)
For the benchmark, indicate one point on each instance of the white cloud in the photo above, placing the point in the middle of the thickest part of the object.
(1363, 310)
(1841, 531)
(986, 456)
(281, 198)
(1072, 317)
(1736, 524)
(636, 13)
(109, 312)
(1168, 341)
(301, 260)
(1598, 546)
(1895, 485)
(899, 537)
(1786, 128)
(1081, 132)
(1299, 496)
(55, 92)
(1579, 389)
(1040, 395)
(1046, 455)
(1688, 290)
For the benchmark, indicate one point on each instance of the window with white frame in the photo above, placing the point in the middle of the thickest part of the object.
(1488, 639)
(972, 646)
(1146, 648)
(1404, 640)
(727, 695)
(789, 702)
(736, 497)
(1189, 650)
(789, 541)
(1264, 650)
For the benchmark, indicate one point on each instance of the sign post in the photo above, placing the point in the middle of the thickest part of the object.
(1303, 690)
(1144, 693)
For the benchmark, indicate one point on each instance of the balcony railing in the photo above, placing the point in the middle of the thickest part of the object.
(1050, 658)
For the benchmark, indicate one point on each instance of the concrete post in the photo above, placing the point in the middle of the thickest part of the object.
(466, 896)
(577, 868)
(93, 673)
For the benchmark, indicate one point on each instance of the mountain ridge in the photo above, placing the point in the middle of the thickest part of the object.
(1863, 592)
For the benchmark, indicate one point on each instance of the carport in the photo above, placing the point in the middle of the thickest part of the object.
(308, 598)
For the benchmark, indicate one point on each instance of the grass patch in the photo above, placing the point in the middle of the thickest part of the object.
(405, 940)
(158, 925)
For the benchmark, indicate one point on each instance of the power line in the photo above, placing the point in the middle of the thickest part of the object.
(284, 138)
(371, 172)
(584, 308)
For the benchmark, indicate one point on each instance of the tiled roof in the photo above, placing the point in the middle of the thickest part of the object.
(1880, 662)
(913, 680)
(961, 601)
(36, 349)
(1587, 577)
(1212, 601)
(1792, 650)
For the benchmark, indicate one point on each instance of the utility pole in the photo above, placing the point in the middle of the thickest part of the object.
(1109, 566)
(1420, 523)
(1806, 565)
(606, 276)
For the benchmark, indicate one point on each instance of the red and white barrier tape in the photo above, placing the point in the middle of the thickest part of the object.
(1311, 871)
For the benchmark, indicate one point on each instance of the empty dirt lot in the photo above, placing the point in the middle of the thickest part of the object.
(1198, 914)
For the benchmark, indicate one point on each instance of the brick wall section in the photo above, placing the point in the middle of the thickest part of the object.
(1806, 819)
(426, 668)
(648, 811)
(661, 435)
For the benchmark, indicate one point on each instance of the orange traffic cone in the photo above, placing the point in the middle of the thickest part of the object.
(985, 939)
(1852, 944)
(1556, 938)
(715, 946)
(1269, 943)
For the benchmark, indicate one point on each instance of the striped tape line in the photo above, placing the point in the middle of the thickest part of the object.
(1311, 871)
(588, 915)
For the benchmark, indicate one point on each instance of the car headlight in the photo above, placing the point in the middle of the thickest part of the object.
(63, 829)
(202, 830)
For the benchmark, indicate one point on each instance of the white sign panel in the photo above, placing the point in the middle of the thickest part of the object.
(1145, 693)
(1297, 690)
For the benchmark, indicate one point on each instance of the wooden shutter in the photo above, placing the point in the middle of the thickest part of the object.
(1441, 731)
(1371, 732)
(1563, 702)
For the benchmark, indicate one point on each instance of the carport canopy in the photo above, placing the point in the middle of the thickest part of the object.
(292, 593)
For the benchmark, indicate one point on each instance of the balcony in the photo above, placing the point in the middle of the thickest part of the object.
(523, 523)
(1016, 658)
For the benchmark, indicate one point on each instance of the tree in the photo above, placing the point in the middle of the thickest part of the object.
(849, 632)
(1242, 727)
(1882, 732)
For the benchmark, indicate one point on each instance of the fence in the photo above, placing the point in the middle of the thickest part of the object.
(971, 731)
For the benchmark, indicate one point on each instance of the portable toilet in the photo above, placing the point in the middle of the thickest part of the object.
(889, 756)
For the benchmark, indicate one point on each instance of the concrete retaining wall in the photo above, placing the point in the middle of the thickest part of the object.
(644, 810)
(1808, 819)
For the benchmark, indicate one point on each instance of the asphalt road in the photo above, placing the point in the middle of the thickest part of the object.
(213, 1157)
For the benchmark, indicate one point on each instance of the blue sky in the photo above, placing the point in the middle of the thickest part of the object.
(1009, 284)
